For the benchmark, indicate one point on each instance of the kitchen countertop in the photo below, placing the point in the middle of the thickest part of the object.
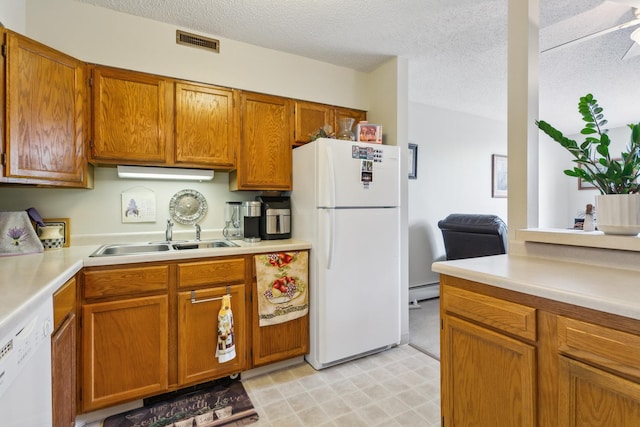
(28, 280)
(606, 289)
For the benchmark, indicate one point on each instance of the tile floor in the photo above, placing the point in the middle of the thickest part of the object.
(424, 327)
(397, 387)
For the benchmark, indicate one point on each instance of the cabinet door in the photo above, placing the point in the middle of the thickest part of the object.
(198, 336)
(309, 118)
(278, 342)
(357, 115)
(264, 159)
(205, 126)
(131, 113)
(588, 396)
(63, 377)
(125, 350)
(488, 379)
(46, 115)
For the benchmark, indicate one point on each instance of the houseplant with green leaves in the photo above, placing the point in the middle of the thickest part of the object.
(616, 176)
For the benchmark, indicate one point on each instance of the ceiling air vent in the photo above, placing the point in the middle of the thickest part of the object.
(194, 40)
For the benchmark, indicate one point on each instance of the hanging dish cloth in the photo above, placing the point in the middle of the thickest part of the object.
(282, 286)
(226, 348)
(17, 236)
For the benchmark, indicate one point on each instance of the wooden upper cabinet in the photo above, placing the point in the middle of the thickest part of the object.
(205, 125)
(357, 115)
(309, 118)
(131, 113)
(46, 115)
(264, 155)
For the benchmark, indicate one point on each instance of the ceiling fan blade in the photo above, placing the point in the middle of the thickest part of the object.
(628, 24)
(606, 17)
(631, 3)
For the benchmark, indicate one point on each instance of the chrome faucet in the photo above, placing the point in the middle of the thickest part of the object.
(168, 234)
(198, 229)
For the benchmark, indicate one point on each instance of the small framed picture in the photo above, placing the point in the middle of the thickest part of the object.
(64, 225)
(413, 161)
(366, 132)
(585, 185)
(499, 176)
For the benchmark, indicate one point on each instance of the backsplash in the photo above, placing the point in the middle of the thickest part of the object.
(98, 211)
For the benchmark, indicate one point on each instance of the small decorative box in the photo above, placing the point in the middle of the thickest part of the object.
(366, 132)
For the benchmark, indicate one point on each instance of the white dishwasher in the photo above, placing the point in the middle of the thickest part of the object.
(25, 367)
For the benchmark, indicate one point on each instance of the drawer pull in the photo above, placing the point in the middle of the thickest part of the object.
(198, 301)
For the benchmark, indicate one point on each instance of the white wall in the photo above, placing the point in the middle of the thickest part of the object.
(388, 86)
(13, 14)
(453, 176)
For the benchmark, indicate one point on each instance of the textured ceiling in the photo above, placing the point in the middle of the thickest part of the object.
(456, 50)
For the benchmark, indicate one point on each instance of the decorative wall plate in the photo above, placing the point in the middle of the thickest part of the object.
(187, 207)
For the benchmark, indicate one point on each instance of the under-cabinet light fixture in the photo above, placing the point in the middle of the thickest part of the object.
(178, 174)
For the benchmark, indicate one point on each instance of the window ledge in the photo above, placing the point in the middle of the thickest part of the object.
(587, 239)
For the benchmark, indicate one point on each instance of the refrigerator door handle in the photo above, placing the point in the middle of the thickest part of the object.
(331, 221)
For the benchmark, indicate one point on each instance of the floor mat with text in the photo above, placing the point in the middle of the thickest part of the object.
(224, 404)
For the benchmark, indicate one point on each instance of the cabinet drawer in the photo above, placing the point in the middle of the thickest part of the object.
(601, 345)
(210, 272)
(516, 319)
(123, 281)
(64, 302)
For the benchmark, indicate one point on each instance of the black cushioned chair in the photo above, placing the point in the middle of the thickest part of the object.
(471, 235)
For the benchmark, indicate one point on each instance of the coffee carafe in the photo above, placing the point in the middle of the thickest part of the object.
(251, 221)
(233, 221)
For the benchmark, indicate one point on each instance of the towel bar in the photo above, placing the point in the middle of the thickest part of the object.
(198, 301)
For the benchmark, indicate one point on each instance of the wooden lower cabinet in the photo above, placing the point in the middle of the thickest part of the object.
(63, 377)
(481, 370)
(63, 355)
(150, 328)
(278, 342)
(589, 396)
(197, 334)
(125, 350)
(514, 359)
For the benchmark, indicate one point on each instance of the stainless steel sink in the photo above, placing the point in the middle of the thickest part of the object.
(205, 244)
(146, 248)
(130, 249)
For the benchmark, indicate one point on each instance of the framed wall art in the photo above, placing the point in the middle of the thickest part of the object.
(498, 176)
(584, 185)
(413, 161)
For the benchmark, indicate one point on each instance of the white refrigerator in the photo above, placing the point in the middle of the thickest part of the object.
(345, 201)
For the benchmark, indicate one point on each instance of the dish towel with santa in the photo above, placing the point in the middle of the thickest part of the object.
(226, 348)
(283, 294)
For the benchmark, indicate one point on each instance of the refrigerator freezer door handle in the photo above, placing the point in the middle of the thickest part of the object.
(331, 176)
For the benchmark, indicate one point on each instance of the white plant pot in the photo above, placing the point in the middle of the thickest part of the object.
(618, 213)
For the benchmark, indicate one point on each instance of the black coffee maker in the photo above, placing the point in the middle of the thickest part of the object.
(251, 221)
(275, 221)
